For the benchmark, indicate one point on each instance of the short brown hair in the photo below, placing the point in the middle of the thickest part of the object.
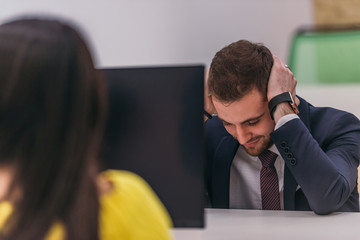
(239, 68)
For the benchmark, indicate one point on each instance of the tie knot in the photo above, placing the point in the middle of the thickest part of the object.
(267, 158)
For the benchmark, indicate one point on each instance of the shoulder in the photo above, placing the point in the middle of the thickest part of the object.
(129, 188)
(215, 131)
(125, 180)
(214, 124)
(130, 206)
(327, 123)
(5, 211)
(332, 118)
(328, 113)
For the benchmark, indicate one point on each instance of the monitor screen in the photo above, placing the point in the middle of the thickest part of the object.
(155, 129)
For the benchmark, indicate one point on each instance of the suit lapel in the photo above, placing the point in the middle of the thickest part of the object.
(221, 171)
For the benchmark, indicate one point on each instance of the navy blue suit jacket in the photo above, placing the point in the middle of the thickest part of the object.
(321, 153)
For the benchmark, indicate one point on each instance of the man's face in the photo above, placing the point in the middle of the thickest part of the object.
(247, 120)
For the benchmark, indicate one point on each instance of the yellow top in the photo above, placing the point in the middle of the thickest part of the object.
(130, 211)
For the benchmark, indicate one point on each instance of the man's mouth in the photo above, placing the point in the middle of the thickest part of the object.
(252, 142)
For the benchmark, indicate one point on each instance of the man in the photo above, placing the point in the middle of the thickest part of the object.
(316, 150)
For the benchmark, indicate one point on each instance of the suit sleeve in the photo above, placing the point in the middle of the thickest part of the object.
(325, 168)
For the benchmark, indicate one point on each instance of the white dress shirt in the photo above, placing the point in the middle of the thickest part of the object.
(245, 190)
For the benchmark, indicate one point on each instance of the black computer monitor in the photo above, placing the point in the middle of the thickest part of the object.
(155, 129)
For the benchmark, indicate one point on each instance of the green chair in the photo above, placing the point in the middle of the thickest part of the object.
(326, 55)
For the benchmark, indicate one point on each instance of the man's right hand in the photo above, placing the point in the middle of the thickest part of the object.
(208, 104)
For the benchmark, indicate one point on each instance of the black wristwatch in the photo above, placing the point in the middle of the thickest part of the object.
(283, 97)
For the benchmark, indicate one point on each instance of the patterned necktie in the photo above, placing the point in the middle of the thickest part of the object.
(269, 182)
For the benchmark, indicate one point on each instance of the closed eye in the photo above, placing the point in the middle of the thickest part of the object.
(226, 123)
(253, 123)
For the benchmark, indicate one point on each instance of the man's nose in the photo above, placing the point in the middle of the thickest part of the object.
(242, 135)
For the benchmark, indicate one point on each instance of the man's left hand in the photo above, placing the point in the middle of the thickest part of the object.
(281, 80)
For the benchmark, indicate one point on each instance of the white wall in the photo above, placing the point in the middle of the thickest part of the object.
(153, 32)
(344, 97)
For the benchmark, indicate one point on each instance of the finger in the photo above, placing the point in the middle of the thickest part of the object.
(283, 64)
(206, 88)
(206, 74)
(278, 61)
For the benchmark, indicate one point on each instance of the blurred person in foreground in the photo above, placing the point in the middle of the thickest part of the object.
(52, 108)
(314, 152)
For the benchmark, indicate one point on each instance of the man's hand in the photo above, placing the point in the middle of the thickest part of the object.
(208, 105)
(281, 80)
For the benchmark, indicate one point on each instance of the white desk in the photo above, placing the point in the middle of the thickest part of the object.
(278, 225)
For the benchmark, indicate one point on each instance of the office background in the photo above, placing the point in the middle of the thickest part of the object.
(152, 32)
(163, 32)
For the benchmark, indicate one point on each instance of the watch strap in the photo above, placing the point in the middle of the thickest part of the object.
(283, 97)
